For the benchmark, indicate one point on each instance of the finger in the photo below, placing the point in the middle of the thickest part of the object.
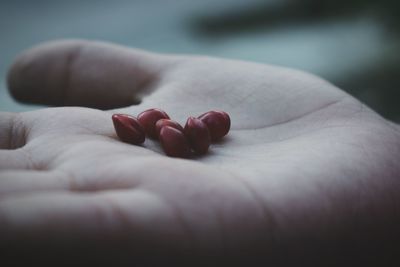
(32, 181)
(11, 131)
(12, 139)
(84, 73)
(6, 128)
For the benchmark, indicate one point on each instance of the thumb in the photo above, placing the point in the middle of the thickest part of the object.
(84, 73)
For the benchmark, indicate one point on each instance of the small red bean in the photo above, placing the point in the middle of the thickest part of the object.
(218, 123)
(167, 122)
(174, 142)
(149, 118)
(198, 134)
(128, 129)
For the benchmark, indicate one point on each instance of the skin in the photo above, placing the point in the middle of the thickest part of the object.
(307, 174)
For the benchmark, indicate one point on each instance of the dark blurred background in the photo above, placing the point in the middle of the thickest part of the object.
(354, 44)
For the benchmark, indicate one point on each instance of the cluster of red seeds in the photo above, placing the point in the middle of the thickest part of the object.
(177, 141)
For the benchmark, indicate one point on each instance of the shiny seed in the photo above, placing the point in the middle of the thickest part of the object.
(167, 122)
(198, 135)
(128, 129)
(149, 118)
(174, 142)
(218, 123)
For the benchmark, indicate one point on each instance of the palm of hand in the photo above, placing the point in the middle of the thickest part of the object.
(300, 163)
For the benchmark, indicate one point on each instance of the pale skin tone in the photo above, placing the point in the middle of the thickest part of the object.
(305, 167)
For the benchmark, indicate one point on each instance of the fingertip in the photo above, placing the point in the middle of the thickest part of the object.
(37, 73)
(84, 73)
(14, 78)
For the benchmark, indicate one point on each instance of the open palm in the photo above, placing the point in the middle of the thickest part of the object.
(306, 173)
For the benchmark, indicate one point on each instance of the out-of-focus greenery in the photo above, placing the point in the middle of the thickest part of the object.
(377, 83)
(265, 15)
(354, 44)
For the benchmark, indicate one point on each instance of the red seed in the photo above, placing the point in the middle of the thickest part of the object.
(128, 129)
(149, 118)
(198, 134)
(167, 122)
(218, 123)
(174, 142)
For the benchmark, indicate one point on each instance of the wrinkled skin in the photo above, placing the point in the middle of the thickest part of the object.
(307, 174)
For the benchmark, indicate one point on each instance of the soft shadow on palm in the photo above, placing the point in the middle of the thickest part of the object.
(298, 171)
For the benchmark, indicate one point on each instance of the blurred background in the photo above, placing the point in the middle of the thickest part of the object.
(353, 44)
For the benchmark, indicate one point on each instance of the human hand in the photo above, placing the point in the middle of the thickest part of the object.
(306, 173)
